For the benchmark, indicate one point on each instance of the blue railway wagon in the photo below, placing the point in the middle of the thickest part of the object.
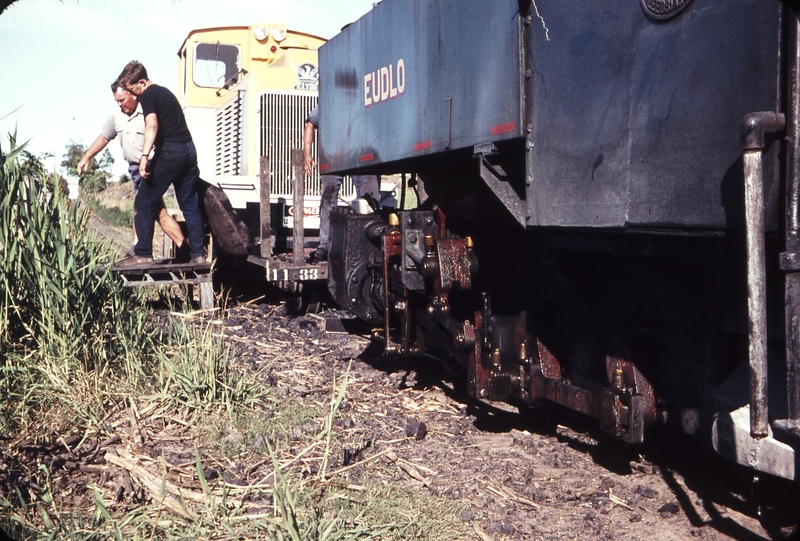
(613, 220)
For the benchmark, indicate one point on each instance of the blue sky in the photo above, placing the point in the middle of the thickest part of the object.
(60, 56)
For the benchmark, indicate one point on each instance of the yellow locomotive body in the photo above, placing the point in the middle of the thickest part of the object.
(246, 91)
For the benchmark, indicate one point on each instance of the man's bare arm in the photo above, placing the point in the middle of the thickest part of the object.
(150, 131)
(308, 142)
(98, 145)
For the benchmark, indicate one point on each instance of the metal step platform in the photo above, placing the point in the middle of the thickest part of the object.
(166, 272)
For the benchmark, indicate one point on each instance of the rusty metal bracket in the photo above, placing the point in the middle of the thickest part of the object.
(477, 373)
(392, 245)
(454, 263)
(574, 398)
(625, 408)
(548, 364)
(625, 378)
(623, 416)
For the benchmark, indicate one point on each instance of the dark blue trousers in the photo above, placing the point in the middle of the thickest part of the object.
(176, 164)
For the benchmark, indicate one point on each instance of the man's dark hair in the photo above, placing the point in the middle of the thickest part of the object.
(132, 73)
(114, 86)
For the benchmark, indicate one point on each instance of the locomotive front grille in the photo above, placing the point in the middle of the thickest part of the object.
(282, 117)
(228, 137)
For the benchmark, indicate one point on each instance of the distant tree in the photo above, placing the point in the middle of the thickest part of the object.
(32, 167)
(54, 179)
(4, 4)
(72, 155)
(124, 177)
(96, 176)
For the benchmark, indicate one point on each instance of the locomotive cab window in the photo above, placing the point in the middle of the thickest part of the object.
(215, 63)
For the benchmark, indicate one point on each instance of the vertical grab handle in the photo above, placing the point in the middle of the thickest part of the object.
(754, 127)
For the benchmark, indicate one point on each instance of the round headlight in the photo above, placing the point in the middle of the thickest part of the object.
(278, 34)
(260, 33)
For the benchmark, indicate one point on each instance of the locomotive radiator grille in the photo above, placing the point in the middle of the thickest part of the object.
(282, 117)
(228, 137)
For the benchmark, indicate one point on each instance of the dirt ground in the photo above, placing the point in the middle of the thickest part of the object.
(545, 473)
(540, 474)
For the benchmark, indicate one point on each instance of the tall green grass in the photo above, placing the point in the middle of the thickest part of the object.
(55, 298)
(77, 349)
(74, 343)
(192, 370)
(69, 330)
(65, 322)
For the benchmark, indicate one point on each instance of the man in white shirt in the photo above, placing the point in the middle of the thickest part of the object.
(128, 123)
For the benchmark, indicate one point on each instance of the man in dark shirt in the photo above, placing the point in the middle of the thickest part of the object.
(168, 157)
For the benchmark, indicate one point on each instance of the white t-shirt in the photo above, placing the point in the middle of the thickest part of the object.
(131, 132)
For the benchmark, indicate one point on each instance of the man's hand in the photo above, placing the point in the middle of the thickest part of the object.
(143, 167)
(83, 164)
(308, 164)
(98, 145)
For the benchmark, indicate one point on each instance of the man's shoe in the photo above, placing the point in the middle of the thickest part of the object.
(199, 260)
(134, 261)
(320, 254)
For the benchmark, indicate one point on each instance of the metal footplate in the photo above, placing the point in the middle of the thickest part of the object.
(162, 273)
(282, 269)
(774, 453)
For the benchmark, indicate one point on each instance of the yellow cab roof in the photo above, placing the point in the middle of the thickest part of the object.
(216, 29)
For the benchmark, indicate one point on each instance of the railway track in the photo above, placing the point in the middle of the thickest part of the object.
(109, 233)
(120, 239)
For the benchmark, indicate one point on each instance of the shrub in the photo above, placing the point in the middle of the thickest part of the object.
(111, 215)
(62, 314)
